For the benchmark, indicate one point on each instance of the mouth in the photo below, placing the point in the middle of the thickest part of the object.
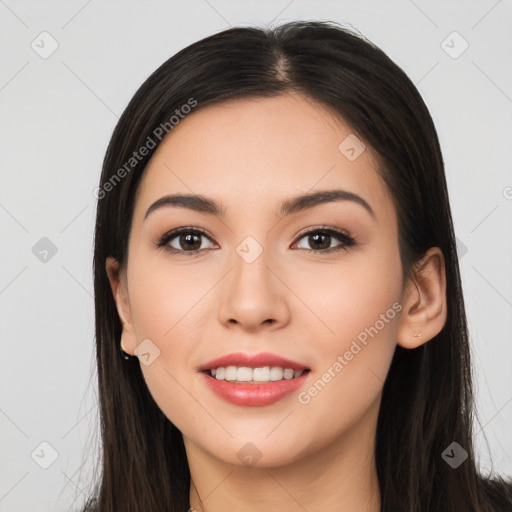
(254, 386)
(257, 375)
(264, 367)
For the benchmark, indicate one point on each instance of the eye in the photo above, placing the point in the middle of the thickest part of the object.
(320, 239)
(185, 240)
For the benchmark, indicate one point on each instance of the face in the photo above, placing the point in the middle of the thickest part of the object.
(318, 283)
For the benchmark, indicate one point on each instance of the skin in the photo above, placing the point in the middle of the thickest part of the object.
(250, 155)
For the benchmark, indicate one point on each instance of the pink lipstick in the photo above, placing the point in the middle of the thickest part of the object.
(253, 380)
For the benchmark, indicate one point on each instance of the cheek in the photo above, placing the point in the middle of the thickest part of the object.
(168, 307)
(346, 298)
(351, 368)
(164, 299)
(353, 332)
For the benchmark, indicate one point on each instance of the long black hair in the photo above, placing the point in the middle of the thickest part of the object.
(427, 400)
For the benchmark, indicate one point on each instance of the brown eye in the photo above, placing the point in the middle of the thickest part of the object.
(184, 240)
(320, 240)
(190, 241)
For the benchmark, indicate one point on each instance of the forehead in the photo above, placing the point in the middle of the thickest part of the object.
(250, 153)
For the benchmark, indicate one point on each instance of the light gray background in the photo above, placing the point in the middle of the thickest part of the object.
(57, 116)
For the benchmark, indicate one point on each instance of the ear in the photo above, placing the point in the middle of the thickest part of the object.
(424, 302)
(120, 292)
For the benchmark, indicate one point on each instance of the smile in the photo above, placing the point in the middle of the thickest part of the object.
(254, 393)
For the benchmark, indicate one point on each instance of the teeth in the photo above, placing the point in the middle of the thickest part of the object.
(261, 374)
(231, 373)
(254, 375)
(288, 373)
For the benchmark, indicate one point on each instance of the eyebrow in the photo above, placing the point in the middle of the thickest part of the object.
(300, 203)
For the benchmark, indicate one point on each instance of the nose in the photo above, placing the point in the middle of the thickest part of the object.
(254, 296)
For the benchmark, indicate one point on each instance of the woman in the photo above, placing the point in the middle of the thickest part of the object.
(276, 264)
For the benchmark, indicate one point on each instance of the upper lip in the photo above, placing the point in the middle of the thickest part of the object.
(252, 361)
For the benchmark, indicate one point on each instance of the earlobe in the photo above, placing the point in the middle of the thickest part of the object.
(119, 292)
(424, 302)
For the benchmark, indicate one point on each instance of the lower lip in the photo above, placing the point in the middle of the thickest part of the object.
(254, 395)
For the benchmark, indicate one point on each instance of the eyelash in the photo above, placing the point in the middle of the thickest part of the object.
(343, 236)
